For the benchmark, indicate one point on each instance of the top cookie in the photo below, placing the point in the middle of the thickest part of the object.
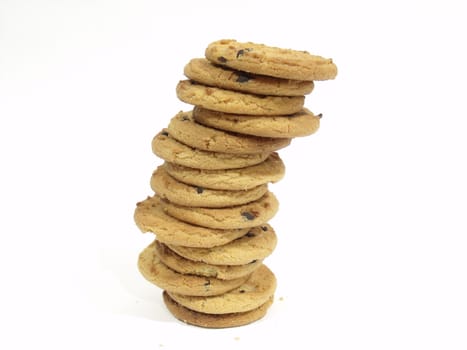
(270, 61)
(203, 71)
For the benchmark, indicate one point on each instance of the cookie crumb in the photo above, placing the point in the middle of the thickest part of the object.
(281, 299)
(237, 338)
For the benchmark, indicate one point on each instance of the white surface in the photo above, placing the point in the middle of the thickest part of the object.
(372, 226)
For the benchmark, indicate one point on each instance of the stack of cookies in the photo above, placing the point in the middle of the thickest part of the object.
(211, 204)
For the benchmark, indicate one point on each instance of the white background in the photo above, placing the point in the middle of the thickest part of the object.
(372, 224)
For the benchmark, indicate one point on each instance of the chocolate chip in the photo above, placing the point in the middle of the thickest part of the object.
(320, 115)
(199, 190)
(164, 133)
(242, 78)
(241, 52)
(207, 283)
(222, 59)
(250, 234)
(185, 118)
(249, 216)
(253, 261)
(264, 228)
(241, 291)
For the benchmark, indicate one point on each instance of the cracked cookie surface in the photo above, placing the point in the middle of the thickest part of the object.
(203, 71)
(257, 244)
(230, 101)
(224, 272)
(188, 195)
(149, 216)
(156, 272)
(271, 170)
(186, 130)
(253, 293)
(303, 123)
(270, 61)
(176, 152)
(242, 216)
(215, 321)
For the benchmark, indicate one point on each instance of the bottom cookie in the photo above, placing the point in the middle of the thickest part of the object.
(215, 321)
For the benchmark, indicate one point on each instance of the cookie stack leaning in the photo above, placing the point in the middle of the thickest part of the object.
(212, 204)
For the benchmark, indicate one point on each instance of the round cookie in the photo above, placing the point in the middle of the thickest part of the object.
(270, 61)
(303, 123)
(186, 266)
(176, 152)
(206, 73)
(271, 170)
(149, 216)
(184, 129)
(257, 244)
(182, 194)
(230, 101)
(215, 321)
(156, 272)
(247, 215)
(253, 293)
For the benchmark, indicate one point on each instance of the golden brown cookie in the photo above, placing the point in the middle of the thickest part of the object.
(253, 293)
(149, 216)
(270, 170)
(303, 123)
(176, 152)
(270, 61)
(184, 129)
(206, 73)
(187, 195)
(230, 101)
(247, 215)
(215, 321)
(257, 244)
(156, 272)
(186, 266)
